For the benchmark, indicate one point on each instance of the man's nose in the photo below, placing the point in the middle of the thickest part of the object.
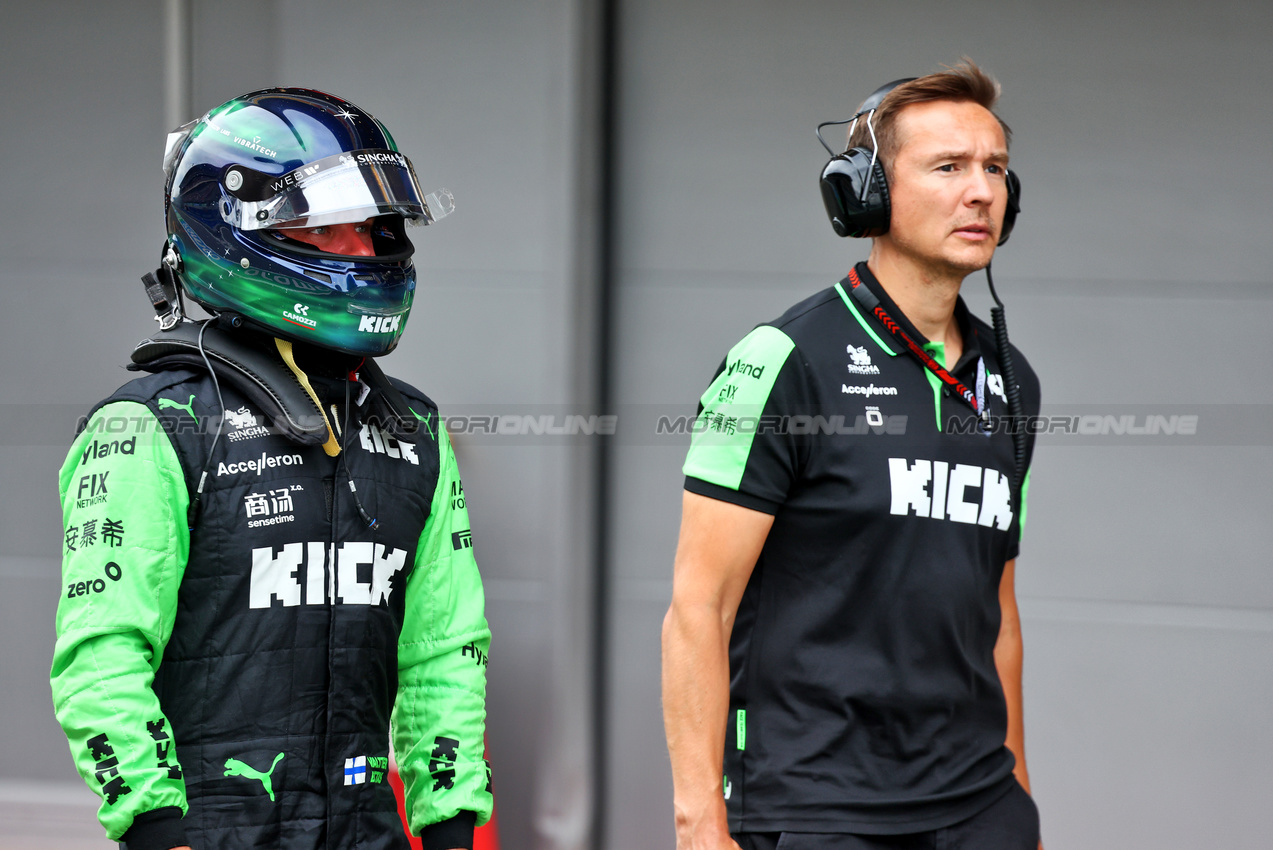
(349, 241)
(980, 189)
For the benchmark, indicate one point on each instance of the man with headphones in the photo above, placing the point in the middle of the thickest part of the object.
(268, 563)
(843, 643)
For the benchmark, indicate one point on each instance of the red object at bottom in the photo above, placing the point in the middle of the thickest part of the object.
(485, 837)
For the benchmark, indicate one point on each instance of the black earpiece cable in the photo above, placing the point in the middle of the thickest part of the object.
(193, 511)
(1010, 387)
(372, 522)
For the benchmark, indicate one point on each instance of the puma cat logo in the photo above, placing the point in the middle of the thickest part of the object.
(234, 767)
(188, 407)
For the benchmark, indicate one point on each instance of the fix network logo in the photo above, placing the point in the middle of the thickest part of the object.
(931, 488)
(305, 569)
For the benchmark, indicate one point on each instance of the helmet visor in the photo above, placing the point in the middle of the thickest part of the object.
(347, 187)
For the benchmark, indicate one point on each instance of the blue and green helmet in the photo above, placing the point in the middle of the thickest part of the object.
(239, 177)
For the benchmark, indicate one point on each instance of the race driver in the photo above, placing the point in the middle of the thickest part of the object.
(267, 558)
(842, 654)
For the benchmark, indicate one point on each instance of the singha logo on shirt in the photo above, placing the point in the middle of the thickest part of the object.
(861, 361)
(243, 423)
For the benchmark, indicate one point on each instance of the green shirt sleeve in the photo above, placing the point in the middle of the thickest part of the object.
(125, 546)
(439, 716)
(741, 450)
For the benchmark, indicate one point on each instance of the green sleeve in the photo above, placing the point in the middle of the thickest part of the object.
(125, 546)
(439, 715)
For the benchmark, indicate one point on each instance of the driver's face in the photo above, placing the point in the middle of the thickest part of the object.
(352, 239)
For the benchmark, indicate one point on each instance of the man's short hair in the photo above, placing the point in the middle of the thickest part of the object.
(964, 82)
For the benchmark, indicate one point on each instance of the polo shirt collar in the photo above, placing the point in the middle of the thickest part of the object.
(971, 352)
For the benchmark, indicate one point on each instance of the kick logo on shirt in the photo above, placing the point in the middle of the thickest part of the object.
(376, 441)
(280, 576)
(931, 488)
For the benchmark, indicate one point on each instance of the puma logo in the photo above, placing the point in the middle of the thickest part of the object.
(188, 407)
(234, 767)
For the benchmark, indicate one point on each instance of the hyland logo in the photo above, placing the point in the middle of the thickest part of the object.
(106, 448)
(462, 539)
(234, 767)
(92, 490)
(299, 315)
(475, 652)
(995, 384)
(861, 364)
(259, 465)
(279, 576)
(372, 439)
(379, 324)
(360, 770)
(245, 425)
(275, 506)
(931, 488)
(738, 367)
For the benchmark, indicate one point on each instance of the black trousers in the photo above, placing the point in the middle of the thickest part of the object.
(1010, 823)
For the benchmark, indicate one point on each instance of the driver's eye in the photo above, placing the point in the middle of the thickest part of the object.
(318, 231)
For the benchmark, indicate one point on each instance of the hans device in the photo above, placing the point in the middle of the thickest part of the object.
(855, 189)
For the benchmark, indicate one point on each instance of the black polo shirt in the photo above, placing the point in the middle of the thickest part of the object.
(863, 696)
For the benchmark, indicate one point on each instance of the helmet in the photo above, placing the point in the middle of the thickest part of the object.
(240, 176)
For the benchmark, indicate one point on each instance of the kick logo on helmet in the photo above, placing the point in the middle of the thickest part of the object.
(286, 159)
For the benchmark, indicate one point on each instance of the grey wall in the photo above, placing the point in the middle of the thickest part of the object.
(1138, 275)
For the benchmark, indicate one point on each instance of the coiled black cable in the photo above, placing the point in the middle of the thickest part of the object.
(1010, 388)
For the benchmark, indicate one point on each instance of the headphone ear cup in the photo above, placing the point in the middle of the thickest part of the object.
(1014, 207)
(852, 211)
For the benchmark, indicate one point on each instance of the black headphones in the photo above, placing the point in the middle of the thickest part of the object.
(855, 190)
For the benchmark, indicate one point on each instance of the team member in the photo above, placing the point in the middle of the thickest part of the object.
(268, 562)
(843, 635)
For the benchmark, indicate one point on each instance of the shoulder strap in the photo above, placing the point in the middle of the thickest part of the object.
(259, 374)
